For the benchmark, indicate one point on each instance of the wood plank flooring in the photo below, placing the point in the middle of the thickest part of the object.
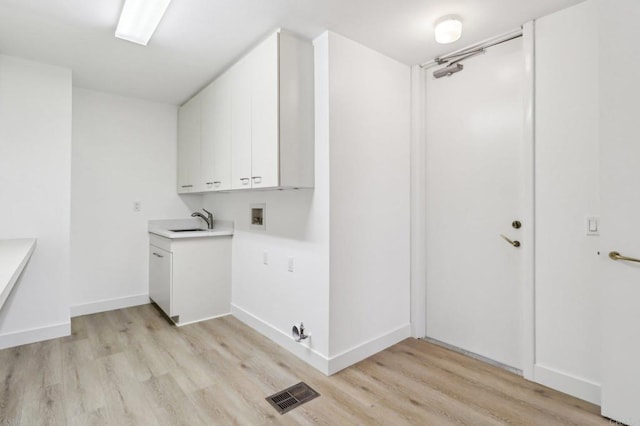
(131, 367)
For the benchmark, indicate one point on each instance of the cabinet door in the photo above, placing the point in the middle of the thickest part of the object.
(222, 134)
(207, 135)
(216, 135)
(160, 278)
(265, 114)
(189, 147)
(240, 76)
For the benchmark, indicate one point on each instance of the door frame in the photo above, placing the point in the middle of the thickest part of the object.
(418, 204)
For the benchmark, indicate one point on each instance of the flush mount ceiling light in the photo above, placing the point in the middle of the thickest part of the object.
(139, 19)
(448, 30)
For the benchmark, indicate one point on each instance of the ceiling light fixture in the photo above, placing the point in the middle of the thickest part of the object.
(139, 19)
(448, 30)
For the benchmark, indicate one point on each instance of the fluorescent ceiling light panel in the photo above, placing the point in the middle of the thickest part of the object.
(139, 19)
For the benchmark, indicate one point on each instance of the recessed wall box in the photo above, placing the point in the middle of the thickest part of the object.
(258, 218)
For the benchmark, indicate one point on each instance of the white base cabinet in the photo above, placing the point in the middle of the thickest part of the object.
(190, 278)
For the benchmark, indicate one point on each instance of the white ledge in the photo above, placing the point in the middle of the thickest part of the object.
(14, 255)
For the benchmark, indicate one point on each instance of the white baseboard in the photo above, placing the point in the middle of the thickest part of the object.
(109, 305)
(181, 324)
(567, 383)
(366, 349)
(302, 350)
(33, 335)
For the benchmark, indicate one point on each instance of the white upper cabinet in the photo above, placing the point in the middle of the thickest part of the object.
(189, 146)
(215, 161)
(256, 127)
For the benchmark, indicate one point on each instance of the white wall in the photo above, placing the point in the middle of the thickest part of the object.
(369, 119)
(295, 227)
(567, 152)
(124, 150)
(269, 297)
(359, 220)
(35, 155)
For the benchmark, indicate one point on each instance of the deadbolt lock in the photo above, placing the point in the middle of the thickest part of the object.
(516, 224)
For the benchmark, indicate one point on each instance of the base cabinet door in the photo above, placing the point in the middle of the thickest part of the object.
(160, 278)
(201, 278)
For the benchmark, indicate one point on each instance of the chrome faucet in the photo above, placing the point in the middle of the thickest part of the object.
(208, 218)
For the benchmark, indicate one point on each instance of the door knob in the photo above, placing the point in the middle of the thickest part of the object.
(515, 243)
(614, 255)
(516, 224)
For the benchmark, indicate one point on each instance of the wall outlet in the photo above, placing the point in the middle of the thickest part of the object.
(136, 206)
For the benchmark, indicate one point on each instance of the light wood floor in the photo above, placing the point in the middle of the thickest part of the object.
(131, 366)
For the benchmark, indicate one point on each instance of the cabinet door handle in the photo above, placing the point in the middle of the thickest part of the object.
(257, 179)
(158, 255)
(245, 181)
(217, 183)
(186, 186)
(209, 183)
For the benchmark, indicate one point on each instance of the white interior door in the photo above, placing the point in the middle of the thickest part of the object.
(475, 148)
(620, 224)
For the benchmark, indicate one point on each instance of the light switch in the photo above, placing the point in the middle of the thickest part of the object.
(593, 226)
(290, 264)
(265, 257)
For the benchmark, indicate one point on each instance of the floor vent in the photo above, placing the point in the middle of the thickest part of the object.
(292, 397)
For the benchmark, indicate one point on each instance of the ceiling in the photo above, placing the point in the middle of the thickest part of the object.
(198, 39)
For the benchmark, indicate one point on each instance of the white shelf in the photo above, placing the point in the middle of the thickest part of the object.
(14, 255)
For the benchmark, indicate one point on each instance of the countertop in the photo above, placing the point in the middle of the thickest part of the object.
(163, 228)
(14, 255)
